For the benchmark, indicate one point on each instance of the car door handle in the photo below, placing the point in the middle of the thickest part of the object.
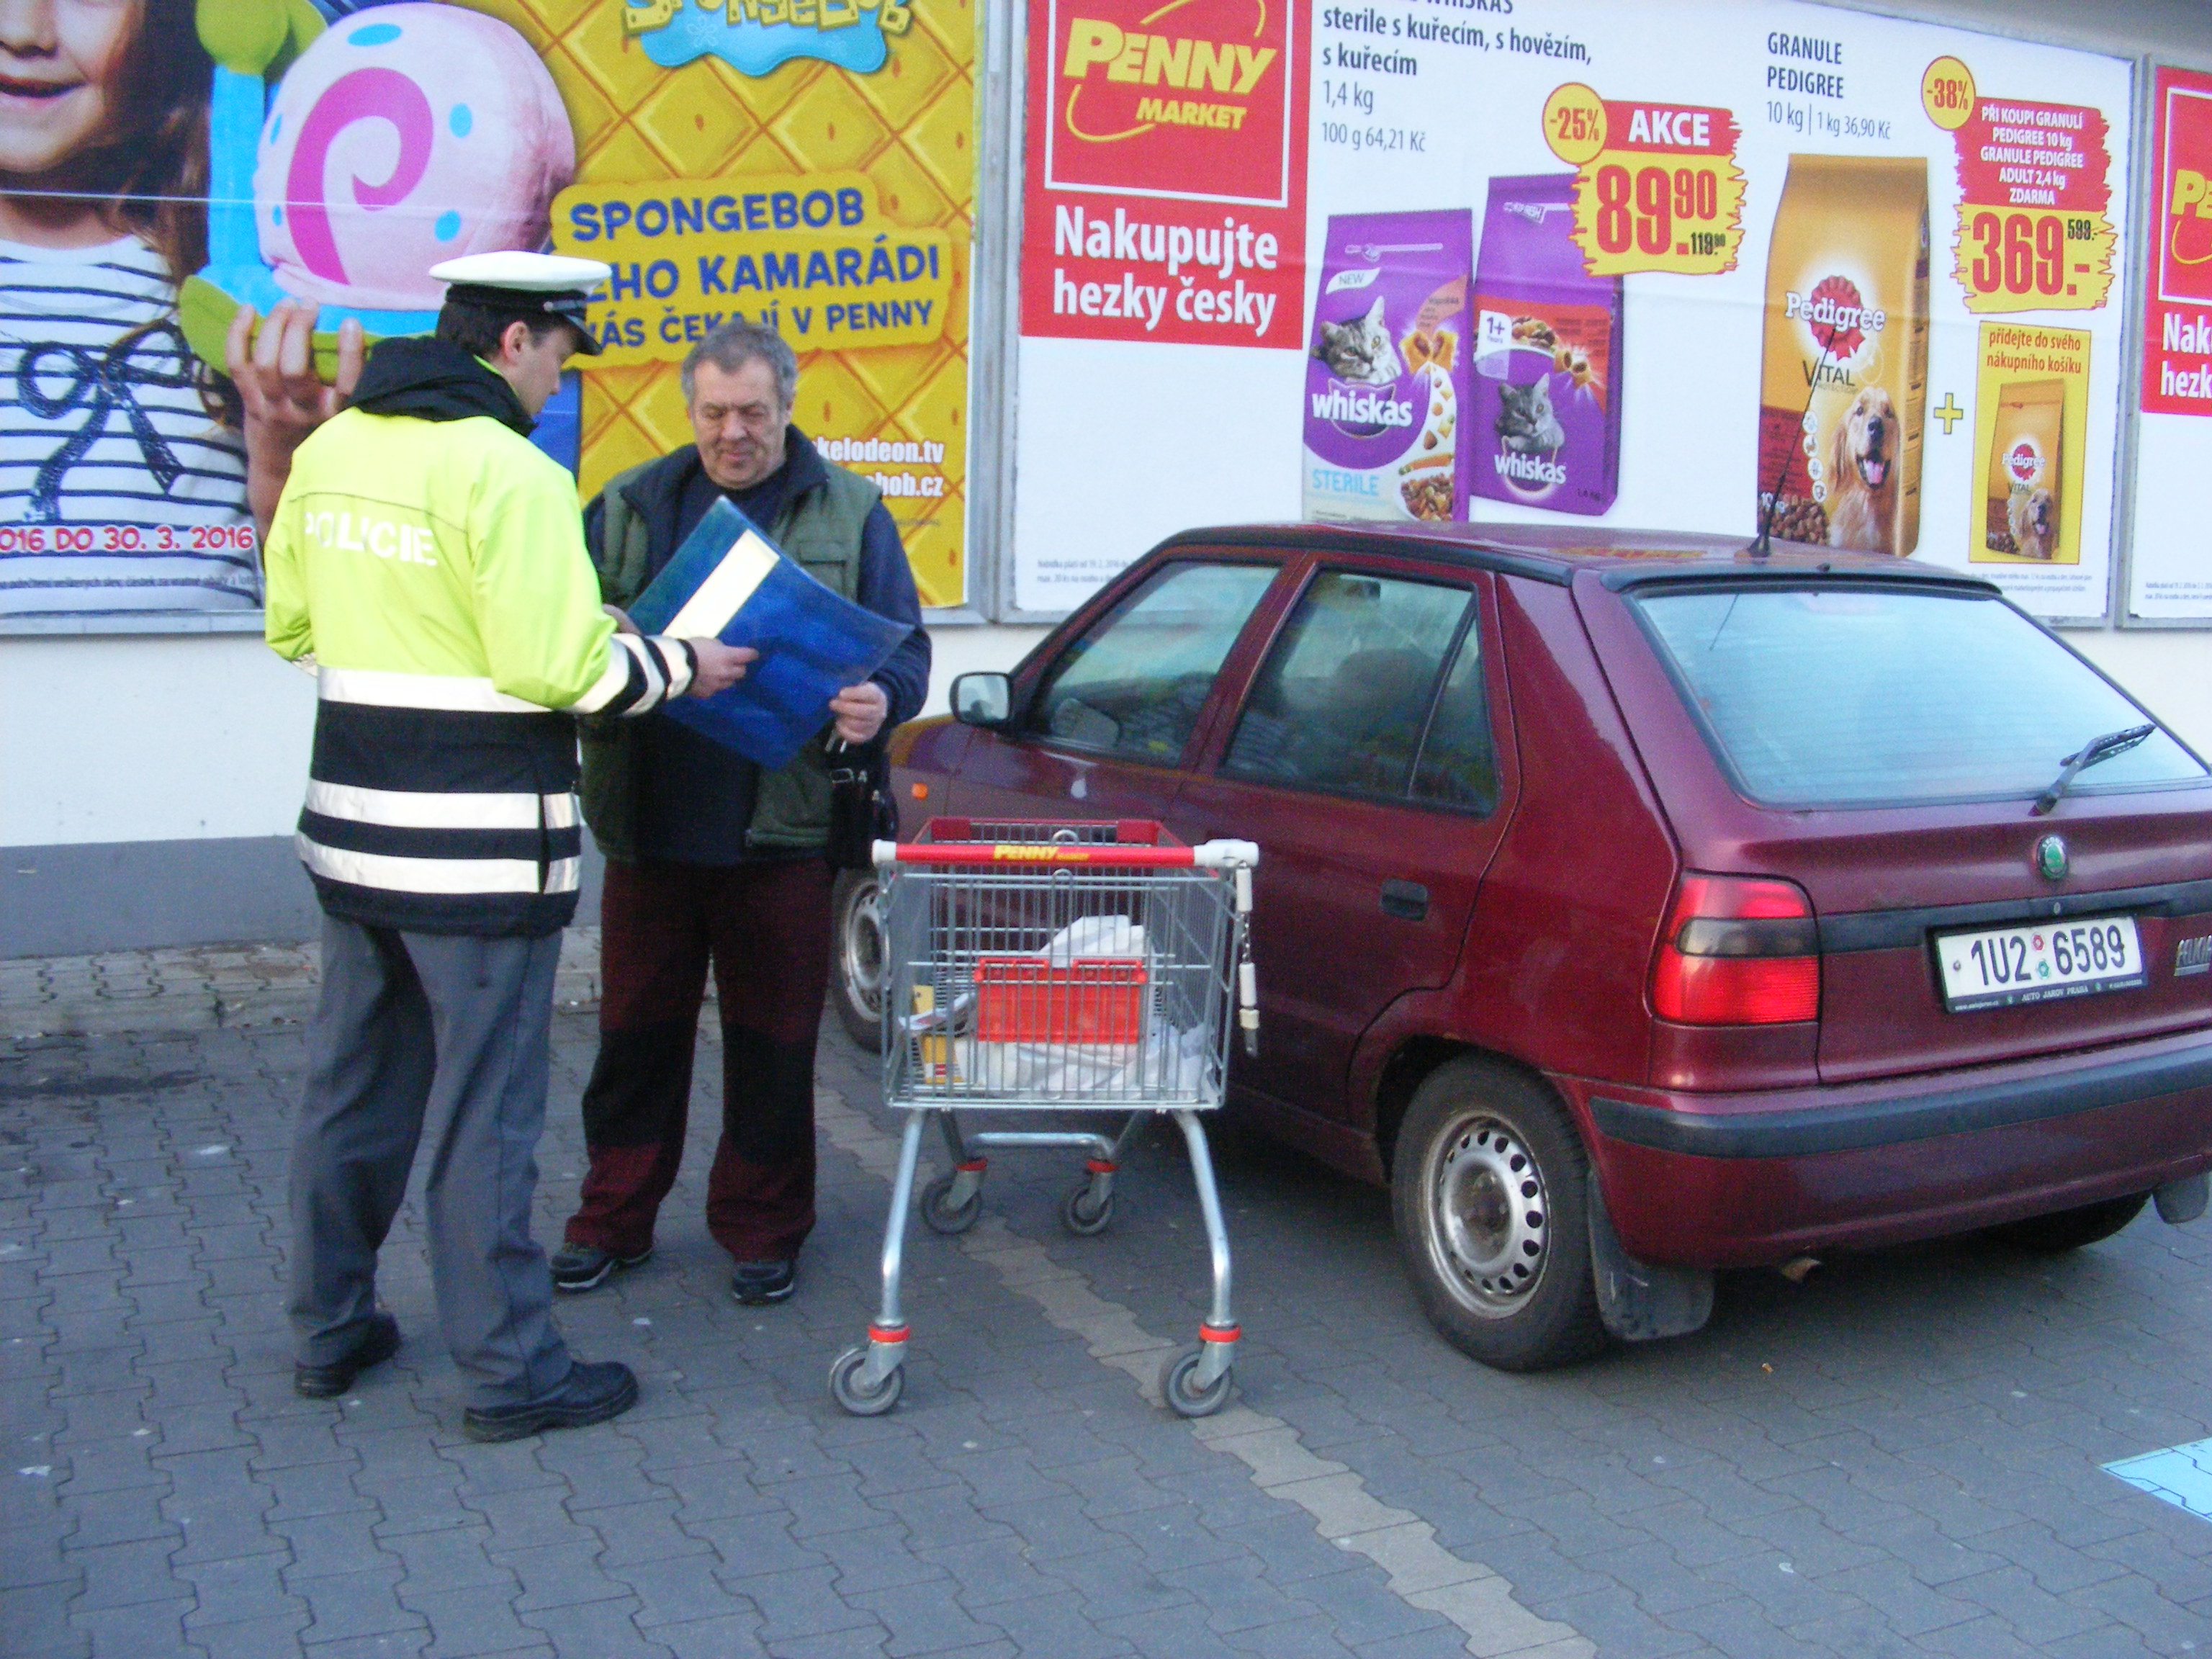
(1406, 899)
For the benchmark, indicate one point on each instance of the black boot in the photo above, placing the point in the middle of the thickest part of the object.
(589, 1393)
(378, 1343)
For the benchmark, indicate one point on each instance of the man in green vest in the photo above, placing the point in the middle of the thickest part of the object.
(710, 859)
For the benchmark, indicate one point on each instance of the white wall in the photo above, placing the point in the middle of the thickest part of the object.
(2178, 31)
(166, 738)
(147, 736)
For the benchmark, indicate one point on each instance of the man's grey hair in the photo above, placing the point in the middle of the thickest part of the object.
(730, 346)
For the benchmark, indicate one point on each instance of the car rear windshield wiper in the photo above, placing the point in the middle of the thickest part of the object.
(2090, 754)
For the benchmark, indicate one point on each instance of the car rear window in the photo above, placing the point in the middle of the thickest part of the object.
(1841, 697)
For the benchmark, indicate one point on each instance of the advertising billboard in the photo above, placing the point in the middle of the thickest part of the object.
(2170, 556)
(1713, 266)
(809, 163)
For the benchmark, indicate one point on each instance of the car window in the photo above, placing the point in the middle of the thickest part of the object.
(1844, 696)
(1341, 702)
(1459, 763)
(1132, 685)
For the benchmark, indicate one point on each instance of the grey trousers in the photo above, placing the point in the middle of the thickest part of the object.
(428, 1037)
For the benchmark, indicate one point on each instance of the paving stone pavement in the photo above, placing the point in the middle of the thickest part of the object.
(1900, 1456)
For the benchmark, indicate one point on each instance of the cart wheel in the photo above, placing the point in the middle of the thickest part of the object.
(845, 1388)
(941, 1218)
(1182, 1397)
(1083, 1219)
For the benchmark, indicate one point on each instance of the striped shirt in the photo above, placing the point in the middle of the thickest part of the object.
(119, 490)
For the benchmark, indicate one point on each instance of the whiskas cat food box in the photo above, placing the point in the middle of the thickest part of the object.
(1547, 410)
(1387, 372)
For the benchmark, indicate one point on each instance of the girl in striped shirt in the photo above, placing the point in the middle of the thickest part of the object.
(123, 463)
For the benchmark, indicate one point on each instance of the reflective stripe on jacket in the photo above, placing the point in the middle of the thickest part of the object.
(435, 572)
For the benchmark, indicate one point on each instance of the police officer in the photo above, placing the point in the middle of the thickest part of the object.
(430, 560)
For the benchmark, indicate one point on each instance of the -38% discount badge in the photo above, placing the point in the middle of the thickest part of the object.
(1656, 185)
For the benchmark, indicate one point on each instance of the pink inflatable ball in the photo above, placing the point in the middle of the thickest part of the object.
(404, 135)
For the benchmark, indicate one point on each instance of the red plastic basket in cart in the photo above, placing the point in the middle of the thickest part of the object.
(1088, 999)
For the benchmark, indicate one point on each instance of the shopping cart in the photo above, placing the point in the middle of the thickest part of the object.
(1056, 968)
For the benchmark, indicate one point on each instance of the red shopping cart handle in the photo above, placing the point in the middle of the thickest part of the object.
(1104, 855)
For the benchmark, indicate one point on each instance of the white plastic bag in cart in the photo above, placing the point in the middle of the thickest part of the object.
(1095, 936)
(1174, 1068)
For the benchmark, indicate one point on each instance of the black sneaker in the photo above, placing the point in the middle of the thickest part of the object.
(756, 1282)
(589, 1393)
(581, 1267)
(377, 1344)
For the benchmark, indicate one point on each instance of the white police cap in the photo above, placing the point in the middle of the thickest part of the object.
(512, 280)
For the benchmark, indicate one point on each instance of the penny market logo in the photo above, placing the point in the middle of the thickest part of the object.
(1176, 98)
(2185, 250)
(754, 36)
(1183, 64)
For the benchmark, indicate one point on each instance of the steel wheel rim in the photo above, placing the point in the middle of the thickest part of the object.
(1489, 1216)
(861, 948)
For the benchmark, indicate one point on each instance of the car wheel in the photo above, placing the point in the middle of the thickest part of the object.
(856, 986)
(1489, 1189)
(2070, 1230)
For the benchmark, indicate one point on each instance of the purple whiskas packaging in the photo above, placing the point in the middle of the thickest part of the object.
(1545, 420)
(1387, 367)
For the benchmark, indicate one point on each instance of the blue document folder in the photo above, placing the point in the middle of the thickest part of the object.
(730, 581)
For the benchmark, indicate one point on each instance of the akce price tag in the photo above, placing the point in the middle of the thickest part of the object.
(1656, 185)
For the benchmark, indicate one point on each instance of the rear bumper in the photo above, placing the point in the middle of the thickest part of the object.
(1741, 1179)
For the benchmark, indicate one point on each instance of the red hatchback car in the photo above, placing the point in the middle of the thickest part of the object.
(1637, 905)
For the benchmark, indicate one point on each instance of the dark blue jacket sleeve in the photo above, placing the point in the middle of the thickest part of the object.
(886, 587)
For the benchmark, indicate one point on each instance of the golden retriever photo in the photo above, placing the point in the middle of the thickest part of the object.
(1862, 475)
(2032, 518)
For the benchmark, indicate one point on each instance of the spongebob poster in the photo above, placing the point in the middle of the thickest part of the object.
(172, 172)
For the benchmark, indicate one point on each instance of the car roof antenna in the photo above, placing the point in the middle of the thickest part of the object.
(1762, 544)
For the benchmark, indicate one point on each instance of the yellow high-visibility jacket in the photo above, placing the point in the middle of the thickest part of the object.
(435, 570)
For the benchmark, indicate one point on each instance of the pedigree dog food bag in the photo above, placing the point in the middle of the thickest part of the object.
(1387, 368)
(2025, 452)
(1844, 379)
(1547, 409)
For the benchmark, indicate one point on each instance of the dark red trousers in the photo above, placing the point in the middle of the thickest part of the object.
(765, 927)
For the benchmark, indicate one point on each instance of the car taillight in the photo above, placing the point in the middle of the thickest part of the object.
(1738, 950)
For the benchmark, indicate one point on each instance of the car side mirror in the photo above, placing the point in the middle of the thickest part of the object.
(984, 700)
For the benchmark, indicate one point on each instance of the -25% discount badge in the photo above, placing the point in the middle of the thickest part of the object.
(1656, 185)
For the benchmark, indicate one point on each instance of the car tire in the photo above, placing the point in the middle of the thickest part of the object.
(1489, 1193)
(856, 976)
(2070, 1230)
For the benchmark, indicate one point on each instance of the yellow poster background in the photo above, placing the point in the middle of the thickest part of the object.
(910, 127)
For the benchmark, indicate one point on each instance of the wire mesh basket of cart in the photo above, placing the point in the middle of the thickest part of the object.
(1035, 970)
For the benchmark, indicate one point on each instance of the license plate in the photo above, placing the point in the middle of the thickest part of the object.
(1998, 966)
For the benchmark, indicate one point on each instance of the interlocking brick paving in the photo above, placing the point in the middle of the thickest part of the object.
(1902, 1456)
